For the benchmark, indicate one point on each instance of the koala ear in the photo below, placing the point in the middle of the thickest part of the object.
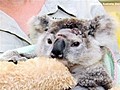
(37, 26)
(101, 24)
(104, 32)
(39, 23)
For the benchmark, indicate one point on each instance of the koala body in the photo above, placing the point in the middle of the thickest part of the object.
(77, 44)
(83, 57)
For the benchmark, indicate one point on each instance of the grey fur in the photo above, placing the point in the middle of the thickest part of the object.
(88, 55)
(38, 25)
(85, 61)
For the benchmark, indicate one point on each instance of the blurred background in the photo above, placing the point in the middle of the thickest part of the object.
(28, 8)
(113, 8)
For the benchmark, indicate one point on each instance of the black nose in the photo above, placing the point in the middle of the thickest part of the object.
(58, 48)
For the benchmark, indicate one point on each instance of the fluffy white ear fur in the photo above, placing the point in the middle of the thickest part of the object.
(105, 33)
(37, 25)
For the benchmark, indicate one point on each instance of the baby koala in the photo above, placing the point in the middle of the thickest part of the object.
(83, 57)
(80, 45)
(82, 53)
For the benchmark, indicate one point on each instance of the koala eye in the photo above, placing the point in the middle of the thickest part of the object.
(75, 44)
(49, 41)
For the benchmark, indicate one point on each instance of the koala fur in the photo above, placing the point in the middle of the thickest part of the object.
(79, 44)
(87, 67)
(85, 61)
(38, 25)
(103, 28)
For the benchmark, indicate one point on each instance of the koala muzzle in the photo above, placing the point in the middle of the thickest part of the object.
(58, 48)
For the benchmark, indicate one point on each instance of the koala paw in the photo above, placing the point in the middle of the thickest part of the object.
(12, 56)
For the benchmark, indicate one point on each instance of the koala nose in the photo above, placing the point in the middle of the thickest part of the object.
(58, 48)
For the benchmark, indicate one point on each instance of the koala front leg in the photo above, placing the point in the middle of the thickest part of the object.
(14, 56)
(95, 79)
(27, 55)
(102, 78)
(9, 55)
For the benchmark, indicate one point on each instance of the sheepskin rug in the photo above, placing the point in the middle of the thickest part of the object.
(35, 74)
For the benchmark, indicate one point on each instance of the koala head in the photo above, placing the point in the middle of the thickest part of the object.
(40, 23)
(69, 45)
(76, 41)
